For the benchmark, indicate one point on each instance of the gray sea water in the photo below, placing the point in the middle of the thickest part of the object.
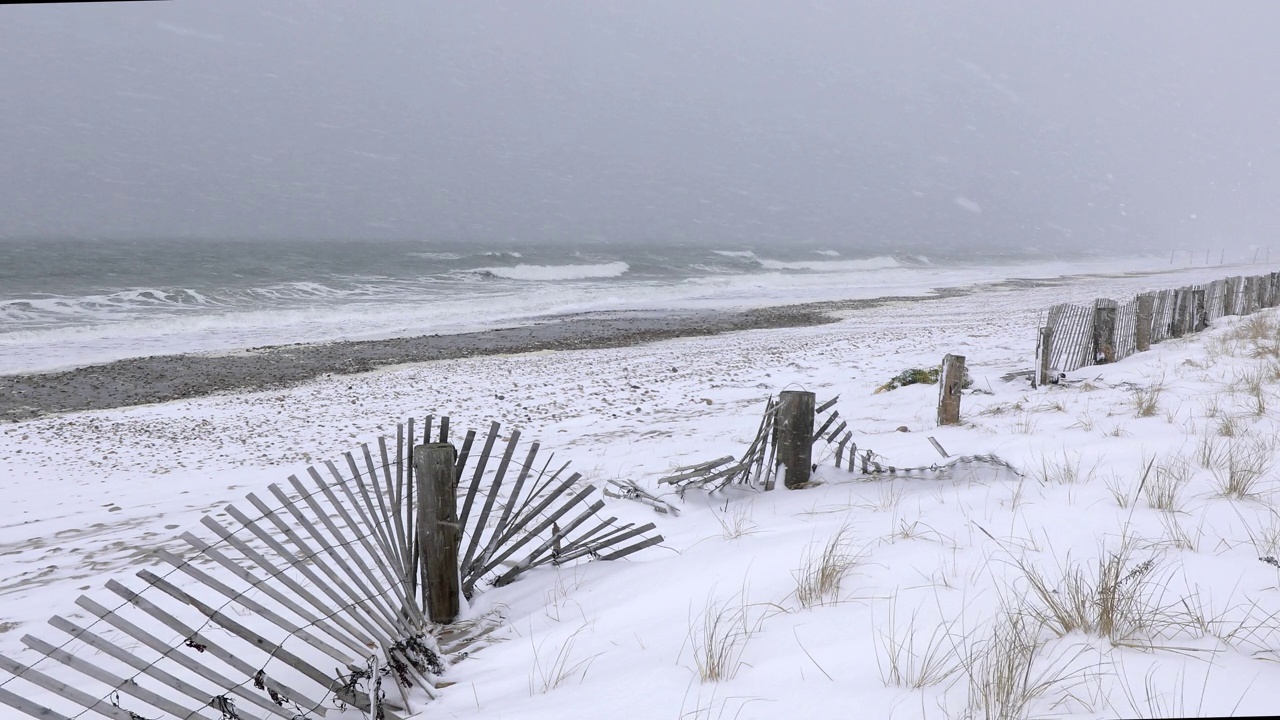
(65, 302)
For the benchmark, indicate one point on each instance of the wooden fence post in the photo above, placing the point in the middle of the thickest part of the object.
(439, 533)
(1229, 297)
(949, 385)
(794, 439)
(1176, 320)
(1145, 317)
(1104, 333)
(1046, 353)
(1199, 310)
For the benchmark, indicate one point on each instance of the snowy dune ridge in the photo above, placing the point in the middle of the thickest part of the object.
(1124, 573)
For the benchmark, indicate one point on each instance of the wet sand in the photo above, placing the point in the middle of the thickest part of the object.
(139, 381)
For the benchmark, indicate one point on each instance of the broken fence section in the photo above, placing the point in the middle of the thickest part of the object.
(312, 597)
(759, 467)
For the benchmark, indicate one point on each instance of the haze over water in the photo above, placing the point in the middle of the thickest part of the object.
(210, 176)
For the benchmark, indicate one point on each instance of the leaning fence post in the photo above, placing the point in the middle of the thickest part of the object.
(949, 386)
(794, 428)
(438, 531)
(1142, 326)
(1046, 354)
(1104, 333)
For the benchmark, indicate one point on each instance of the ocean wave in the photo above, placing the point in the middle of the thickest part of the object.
(747, 254)
(827, 266)
(545, 273)
(436, 255)
(828, 253)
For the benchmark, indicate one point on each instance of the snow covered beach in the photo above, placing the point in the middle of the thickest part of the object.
(932, 564)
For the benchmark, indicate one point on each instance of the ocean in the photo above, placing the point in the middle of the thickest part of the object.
(67, 303)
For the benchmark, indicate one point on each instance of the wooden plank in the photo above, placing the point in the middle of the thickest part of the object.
(222, 620)
(516, 544)
(231, 687)
(380, 513)
(250, 603)
(830, 419)
(826, 405)
(371, 511)
(490, 498)
(149, 669)
(371, 630)
(478, 477)
(531, 560)
(696, 470)
(835, 433)
(619, 554)
(111, 680)
(345, 633)
(385, 555)
(938, 446)
(198, 640)
(444, 429)
(397, 519)
(372, 602)
(21, 704)
(463, 453)
(61, 689)
(509, 507)
(384, 621)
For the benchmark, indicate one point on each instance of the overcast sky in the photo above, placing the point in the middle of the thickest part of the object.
(1018, 124)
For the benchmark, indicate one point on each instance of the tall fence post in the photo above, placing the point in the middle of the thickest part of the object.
(1229, 297)
(950, 383)
(1145, 316)
(1104, 333)
(794, 439)
(1046, 353)
(439, 533)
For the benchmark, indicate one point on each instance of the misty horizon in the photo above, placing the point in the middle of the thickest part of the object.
(994, 125)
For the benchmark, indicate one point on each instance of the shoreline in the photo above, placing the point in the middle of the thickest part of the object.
(154, 379)
(162, 378)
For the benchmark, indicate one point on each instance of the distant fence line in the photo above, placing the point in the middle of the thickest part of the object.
(1076, 336)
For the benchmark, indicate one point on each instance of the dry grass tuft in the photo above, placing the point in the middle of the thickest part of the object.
(907, 658)
(1241, 467)
(555, 671)
(1002, 671)
(1064, 471)
(719, 638)
(1117, 601)
(820, 574)
(1146, 401)
(1163, 487)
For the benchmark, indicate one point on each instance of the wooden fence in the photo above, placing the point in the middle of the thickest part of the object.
(1076, 336)
(330, 571)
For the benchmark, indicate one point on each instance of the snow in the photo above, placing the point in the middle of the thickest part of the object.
(935, 561)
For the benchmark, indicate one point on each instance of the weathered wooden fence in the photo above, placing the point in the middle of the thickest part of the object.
(319, 595)
(1075, 336)
(759, 467)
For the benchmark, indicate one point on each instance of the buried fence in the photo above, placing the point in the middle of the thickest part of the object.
(341, 590)
(1076, 336)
